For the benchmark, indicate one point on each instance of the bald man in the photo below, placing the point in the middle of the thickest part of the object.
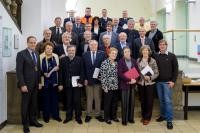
(122, 43)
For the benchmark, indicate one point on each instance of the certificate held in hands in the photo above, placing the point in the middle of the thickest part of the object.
(132, 74)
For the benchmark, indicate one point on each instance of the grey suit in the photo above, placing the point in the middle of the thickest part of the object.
(28, 74)
(137, 45)
(114, 38)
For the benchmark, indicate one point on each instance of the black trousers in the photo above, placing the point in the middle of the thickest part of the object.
(73, 102)
(146, 96)
(128, 104)
(110, 104)
(29, 107)
(50, 102)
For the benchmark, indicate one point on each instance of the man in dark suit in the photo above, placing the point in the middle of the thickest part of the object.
(28, 75)
(113, 35)
(84, 45)
(57, 31)
(92, 62)
(123, 21)
(116, 28)
(71, 78)
(78, 28)
(139, 42)
(71, 17)
(122, 43)
(155, 35)
(132, 34)
(61, 50)
(74, 36)
(104, 19)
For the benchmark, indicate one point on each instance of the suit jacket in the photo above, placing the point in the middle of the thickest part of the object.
(156, 38)
(119, 29)
(114, 38)
(104, 22)
(80, 49)
(54, 37)
(120, 50)
(89, 67)
(131, 35)
(68, 19)
(69, 68)
(137, 45)
(27, 72)
(78, 30)
(122, 68)
(122, 21)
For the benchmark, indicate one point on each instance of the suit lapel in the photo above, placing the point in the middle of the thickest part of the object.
(30, 59)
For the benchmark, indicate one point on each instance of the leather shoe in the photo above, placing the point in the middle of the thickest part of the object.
(37, 124)
(26, 130)
(100, 118)
(146, 122)
(67, 120)
(79, 121)
(160, 119)
(131, 121)
(169, 125)
(108, 122)
(58, 119)
(124, 123)
(87, 119)
(115, 120)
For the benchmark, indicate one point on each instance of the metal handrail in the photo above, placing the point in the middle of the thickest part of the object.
(179, 30)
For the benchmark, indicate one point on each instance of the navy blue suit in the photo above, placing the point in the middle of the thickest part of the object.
(104, 22)
(89, 67)
(67, 20)
(78, 30)
(123, 21)
(137, 45)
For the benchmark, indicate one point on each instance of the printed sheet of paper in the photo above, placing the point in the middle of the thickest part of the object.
(75, 81)
(96, 73)
(146, 70)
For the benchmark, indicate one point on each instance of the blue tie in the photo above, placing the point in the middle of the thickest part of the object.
(93, 58)
(34, 59)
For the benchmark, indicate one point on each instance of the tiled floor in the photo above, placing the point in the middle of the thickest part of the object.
(180, 126)
(192, 125)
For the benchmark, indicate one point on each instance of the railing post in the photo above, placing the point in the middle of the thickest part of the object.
(173, 41)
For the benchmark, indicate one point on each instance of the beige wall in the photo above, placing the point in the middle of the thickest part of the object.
(136, 8)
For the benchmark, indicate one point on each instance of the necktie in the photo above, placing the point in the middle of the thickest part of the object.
(93, 58)
(58, 34)
(33, 57)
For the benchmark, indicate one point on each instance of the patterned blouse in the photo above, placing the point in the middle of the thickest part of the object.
(109, 78)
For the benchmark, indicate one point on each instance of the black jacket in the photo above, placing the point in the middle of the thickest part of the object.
(156, 38)
(70, 68)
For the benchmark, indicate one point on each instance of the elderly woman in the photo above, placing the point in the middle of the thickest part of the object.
(146, 82)
(127, 85)
(49, 68)
(109, 81)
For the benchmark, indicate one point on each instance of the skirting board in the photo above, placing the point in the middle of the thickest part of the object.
(3, 124)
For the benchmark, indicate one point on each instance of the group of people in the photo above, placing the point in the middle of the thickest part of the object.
(93, 54)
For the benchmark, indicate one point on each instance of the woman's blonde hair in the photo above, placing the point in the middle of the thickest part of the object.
(112, 49)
